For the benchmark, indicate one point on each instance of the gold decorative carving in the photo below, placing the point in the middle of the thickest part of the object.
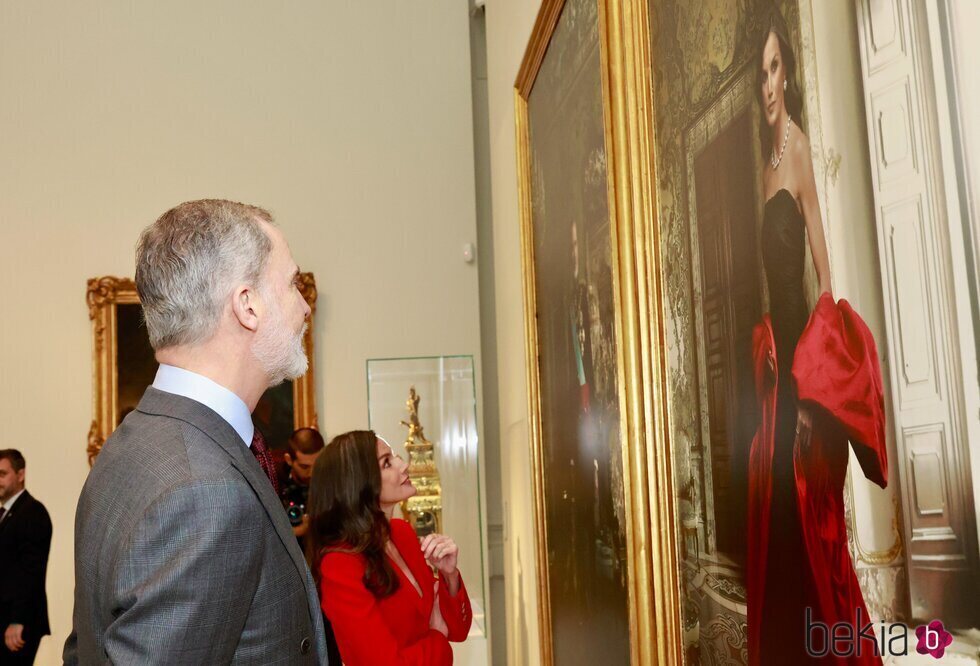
(304, 388)
(884, 557)
(103, 295)
(95, 442)
(424, 510)
(307, 287)
(108, 290)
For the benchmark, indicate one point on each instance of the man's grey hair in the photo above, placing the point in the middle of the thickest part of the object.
(189, 261)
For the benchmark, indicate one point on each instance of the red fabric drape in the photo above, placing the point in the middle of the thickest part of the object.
(836, 373)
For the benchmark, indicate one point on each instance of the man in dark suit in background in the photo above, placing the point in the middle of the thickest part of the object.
(25, 541)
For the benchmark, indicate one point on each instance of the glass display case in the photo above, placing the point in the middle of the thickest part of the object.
(425, 408)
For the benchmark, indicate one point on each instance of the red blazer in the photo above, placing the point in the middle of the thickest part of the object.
(394, 630)
(835, 371)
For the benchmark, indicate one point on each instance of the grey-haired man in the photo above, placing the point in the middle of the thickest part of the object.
(183, 554)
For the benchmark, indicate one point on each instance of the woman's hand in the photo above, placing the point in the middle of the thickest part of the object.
(442, 554)
(13, 637)
(804, 427)
(436, 620)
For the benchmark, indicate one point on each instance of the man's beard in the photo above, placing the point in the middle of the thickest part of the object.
(280, 352)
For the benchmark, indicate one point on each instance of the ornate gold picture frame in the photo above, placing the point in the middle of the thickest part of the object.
(624, 330)
(113, 301)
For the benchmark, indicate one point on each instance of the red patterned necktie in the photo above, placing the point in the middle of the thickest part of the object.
(264, 456)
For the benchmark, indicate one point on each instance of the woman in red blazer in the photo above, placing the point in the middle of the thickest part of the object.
(377, 589)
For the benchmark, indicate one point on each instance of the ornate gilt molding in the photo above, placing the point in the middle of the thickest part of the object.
(531, 369)
(95, 442)
(307, 287)
(102, 296)
(544, 27)
(304, 388)
(655, 610)
(107, 290)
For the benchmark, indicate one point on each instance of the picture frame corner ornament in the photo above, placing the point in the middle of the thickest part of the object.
(307, 287)
(95, 442)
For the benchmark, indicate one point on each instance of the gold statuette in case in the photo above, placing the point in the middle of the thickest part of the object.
(424, 510)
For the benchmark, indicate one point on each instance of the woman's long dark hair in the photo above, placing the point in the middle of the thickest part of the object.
(791, 97)
(344, 506)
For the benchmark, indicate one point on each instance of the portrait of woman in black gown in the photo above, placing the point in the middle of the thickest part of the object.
(819, 387)
(791, 215)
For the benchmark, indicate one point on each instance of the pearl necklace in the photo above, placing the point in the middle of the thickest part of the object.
(774, 160)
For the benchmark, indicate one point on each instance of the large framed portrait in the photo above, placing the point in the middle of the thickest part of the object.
(595, 411)
(715, 314)
(124, 366)
(777, 537)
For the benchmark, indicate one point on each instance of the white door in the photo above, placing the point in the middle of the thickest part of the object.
(920, 310)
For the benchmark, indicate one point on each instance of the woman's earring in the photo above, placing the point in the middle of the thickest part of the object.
(784, 84)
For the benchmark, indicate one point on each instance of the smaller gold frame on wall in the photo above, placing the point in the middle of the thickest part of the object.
(112, 302)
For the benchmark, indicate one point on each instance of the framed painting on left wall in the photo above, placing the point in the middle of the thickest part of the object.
(124, 365)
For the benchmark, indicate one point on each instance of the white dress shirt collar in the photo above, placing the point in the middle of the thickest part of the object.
(200, 389)
(9, 503)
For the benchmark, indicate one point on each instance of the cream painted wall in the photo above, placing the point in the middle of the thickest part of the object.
(508, 29)
(350, 120)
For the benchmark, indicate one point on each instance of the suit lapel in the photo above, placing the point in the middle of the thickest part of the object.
(220, 431)
(11, 514)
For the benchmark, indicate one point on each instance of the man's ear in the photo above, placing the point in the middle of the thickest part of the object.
(289, 459)
(246, 305)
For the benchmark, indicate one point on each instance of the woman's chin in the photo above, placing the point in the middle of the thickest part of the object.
(410, 491)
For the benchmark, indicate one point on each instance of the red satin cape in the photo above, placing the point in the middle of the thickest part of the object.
(836, 373)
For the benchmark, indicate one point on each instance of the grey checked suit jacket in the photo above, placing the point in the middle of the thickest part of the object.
(183, 553)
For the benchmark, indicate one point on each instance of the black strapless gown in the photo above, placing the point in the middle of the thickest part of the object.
(786, 587)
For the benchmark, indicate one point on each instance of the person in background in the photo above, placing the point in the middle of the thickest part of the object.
(375, 582)
(295, 473)
(25, 543)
